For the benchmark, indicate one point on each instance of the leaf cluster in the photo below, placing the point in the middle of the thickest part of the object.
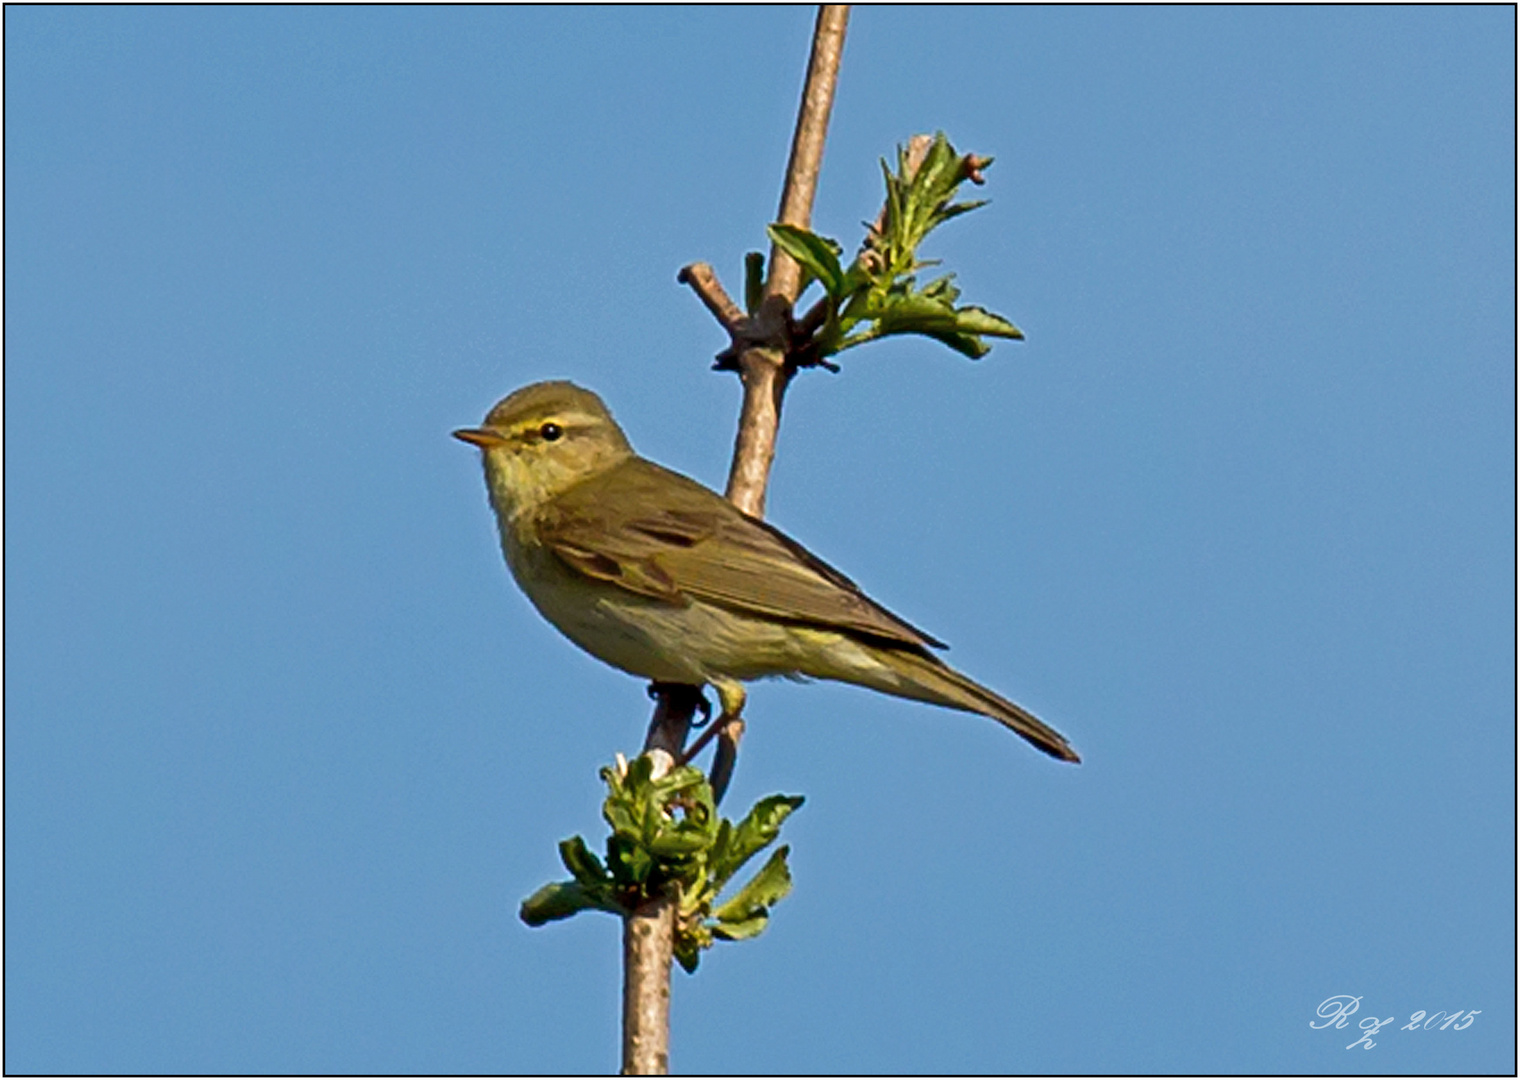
(879, 294)
(668, 840)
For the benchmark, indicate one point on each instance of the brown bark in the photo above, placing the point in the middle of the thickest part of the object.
(647, 940)
(762, 363)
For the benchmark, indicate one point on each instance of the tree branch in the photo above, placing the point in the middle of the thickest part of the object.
(649, 932)
(761, 344)
(648, 937)
(802, 169)
(704, 282)
(763, 366)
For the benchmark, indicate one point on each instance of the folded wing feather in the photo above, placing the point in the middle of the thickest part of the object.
(659, 534)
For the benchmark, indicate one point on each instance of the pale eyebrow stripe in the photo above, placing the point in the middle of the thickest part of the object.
(564, 419)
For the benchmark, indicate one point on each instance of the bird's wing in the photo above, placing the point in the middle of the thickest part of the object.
(661, 535)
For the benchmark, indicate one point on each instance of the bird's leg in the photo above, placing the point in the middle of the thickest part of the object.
(728, 729)
(732, 697)
(725, 757)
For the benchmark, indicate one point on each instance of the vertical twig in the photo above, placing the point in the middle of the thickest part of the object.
(649, 933)
(802, 168)
(762, 366)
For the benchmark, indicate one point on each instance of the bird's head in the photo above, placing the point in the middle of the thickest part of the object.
(542, 440)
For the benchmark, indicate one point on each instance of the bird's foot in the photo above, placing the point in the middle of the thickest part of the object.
(677, 704)
(657, 691)
(728, 730)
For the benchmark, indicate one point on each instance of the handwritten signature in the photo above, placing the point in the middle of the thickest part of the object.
(1334, 1012)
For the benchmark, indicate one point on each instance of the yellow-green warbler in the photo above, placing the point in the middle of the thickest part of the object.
(661, 577)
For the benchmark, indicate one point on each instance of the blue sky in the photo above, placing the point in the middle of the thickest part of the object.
(285, 748)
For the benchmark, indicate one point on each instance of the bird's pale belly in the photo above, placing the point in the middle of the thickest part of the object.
(671, 643)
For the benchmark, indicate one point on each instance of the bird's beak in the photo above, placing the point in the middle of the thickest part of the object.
(485, 438)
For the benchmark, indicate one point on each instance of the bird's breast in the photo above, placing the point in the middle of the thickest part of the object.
(620, 628)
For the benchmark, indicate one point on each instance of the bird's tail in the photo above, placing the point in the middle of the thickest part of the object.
(924, 677)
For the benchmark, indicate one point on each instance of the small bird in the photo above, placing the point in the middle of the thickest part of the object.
(655, 574)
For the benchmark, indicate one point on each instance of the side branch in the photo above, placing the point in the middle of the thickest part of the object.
(704, 282)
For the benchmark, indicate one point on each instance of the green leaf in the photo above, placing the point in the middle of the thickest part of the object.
(936, 179)
(738, 931)
(892, 208)
(586, 867)
(861, 338)
(717, 856)
(677, 843)
(943, 289)
(680, 818)
(865, 304)
(761, 892)
(688, 956)
(975, 320)
(816, 254)
(957, 209)
(692, 936)
(629, 862)
(754, 281)
(620, 815)
(757, 830)
(916, 313)
(684, 776)
(926, 191)
(828, 335)
(857, 277)
(560, 900)
(685, 782)
(966, 344)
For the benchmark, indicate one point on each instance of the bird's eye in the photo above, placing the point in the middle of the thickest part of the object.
(550, 432)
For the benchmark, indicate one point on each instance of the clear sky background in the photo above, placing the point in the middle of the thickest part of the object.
(285, 747)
